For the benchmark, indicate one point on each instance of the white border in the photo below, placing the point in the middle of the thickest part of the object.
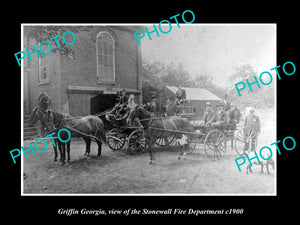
(137, 24)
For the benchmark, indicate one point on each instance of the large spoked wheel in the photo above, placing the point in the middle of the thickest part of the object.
(165, 141)
(115, 143)
(215, 145)
(136, 142)
(245, 140)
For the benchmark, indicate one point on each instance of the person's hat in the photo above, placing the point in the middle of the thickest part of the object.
(208, 103)
(251, 109)
(220, 104)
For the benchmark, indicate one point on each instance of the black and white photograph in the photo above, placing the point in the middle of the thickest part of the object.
(149, 109)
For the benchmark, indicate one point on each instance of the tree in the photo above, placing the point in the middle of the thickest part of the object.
(44, 33)
(259, 97)
(242, 72)
(174, 74)
(156, 75)
(203, 81)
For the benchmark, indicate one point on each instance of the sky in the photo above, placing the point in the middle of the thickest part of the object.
(214, 49)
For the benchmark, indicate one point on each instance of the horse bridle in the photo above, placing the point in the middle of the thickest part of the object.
(150, 119)
(48, 120)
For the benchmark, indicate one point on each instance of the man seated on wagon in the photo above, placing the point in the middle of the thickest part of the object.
(208, 118)
(123, 97)
(209, 114)
(120, 111)
(131, 103)
(226, 103)
(111, 115)
(124, 110)
(180, 95)
(171, 108)
(221, 117)
(154, 105)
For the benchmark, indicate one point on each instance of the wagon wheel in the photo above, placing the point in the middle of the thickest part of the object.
(245, 140)
(136, 142)
(113, 143)
(215, 144)
(165, 141)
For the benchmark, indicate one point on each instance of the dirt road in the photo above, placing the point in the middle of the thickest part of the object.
(119, 173)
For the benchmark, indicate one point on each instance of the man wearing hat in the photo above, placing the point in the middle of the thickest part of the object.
(221, 116)
(180, 94)
(209, 114)
(123, 99)
(43, 104)
(154, 105)
(226, 103)
(252, 122)
(44, 101)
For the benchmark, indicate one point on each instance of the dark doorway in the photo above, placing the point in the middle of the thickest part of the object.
(101, 103)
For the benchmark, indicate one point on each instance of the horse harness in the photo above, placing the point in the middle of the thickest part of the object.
(49, 120)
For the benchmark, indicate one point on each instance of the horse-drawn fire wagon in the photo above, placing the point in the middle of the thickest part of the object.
(169, 130)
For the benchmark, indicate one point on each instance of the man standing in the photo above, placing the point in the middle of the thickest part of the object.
(44, 101)
(252, 122)
(180, 94)
(43, 104)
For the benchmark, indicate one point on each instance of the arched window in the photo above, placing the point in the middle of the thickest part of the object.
(105, 57)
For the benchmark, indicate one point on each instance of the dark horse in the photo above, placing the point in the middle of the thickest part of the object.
(87, 127)
(234, 115)
(157, 127)
(46, 126)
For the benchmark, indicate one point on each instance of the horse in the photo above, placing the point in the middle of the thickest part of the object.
(158, 127)
(234, 115)
(88, 127)
(38, 114)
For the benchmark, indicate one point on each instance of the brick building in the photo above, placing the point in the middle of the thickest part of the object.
(106, 60)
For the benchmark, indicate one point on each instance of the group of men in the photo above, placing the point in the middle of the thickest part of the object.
(124, 104)
(218, 118)
(225, 115)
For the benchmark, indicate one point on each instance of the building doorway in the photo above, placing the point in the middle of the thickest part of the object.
(102, 102)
